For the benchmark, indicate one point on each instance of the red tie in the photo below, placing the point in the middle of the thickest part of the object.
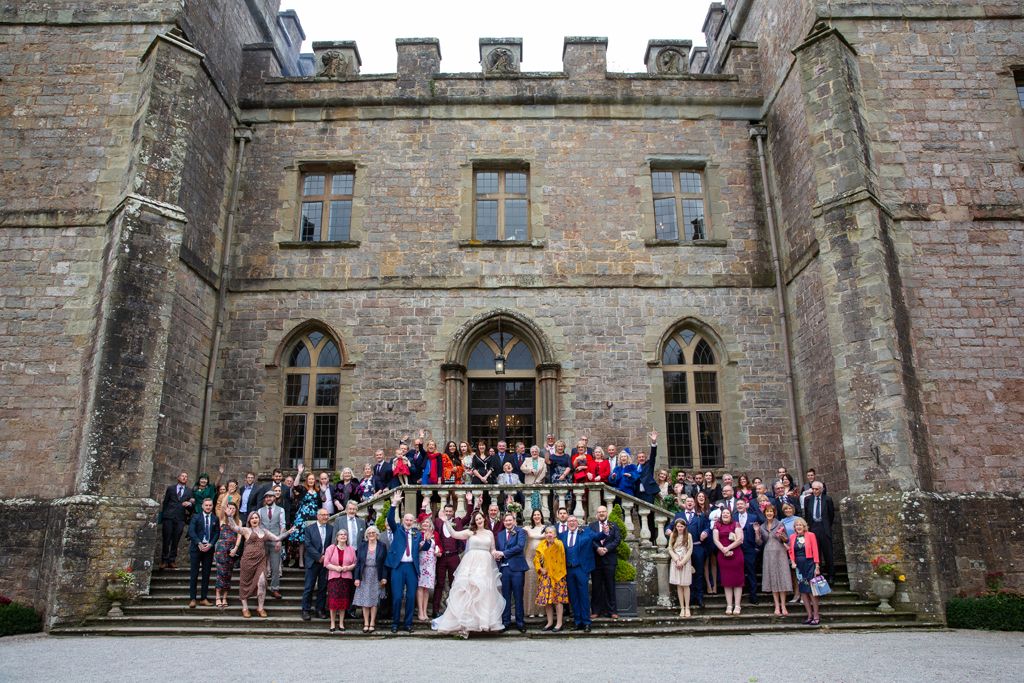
(268, 515)
(508, 537)
(408, 542)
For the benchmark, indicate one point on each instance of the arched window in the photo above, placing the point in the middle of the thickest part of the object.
(312, 386)
(502, 406)
(693, 409)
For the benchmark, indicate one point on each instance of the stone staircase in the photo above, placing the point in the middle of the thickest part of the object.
(165, 612)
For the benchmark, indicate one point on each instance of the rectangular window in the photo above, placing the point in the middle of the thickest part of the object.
(709, 426)
(501, 205)
(297, 390)
(327, 390)
(679, 201)
(679, 454)
(325, 436)
(294, 441)
(326, 206)
(1018, 79)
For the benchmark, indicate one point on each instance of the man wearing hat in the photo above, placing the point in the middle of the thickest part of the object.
(272, 519)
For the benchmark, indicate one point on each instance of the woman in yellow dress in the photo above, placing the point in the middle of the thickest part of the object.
(552, 591)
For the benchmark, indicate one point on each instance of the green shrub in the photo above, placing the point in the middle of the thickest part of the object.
(624, 571)
(17, 618)
(990, 612)
(382, 516)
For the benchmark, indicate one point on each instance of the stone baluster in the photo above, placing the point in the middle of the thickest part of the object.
(594, 501)
(527, 505)
(410, 502)
(661, 560)
(660, 520)
(627, 514)
(645, 531)
(545, 503)
(460, 504)
(578, 510)
(478, 495)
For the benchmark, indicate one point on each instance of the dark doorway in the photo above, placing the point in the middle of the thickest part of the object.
(502, 409)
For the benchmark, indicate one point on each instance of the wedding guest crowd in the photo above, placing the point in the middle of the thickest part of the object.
(739, 534)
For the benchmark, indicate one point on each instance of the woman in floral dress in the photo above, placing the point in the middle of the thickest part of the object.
(428, 566)
(225, 552)
(309, 502)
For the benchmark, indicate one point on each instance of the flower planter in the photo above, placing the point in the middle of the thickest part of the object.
(883, 588)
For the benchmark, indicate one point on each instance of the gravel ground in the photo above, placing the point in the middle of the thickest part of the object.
(928, 656)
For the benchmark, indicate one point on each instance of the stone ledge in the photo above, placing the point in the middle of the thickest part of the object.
(326, 244)
(686, 243)
(504, 244)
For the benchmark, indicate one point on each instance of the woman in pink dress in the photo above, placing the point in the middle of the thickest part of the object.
(729, 541)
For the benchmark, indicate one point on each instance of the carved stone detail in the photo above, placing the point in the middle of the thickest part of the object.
(501, 61)
(333, 65)
(668, 57)
(670, 61)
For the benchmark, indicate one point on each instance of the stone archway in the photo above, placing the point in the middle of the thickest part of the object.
(454, 370)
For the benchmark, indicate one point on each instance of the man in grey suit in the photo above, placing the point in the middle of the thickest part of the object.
(272, 519)
(350, 522)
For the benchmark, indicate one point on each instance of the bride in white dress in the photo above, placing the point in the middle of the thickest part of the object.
(474, 600)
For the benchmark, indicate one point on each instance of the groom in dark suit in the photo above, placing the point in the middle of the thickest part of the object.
(404, 562)
(511, 544)
(579, 545)
(700, 531)
(604, 564)
(203, 531)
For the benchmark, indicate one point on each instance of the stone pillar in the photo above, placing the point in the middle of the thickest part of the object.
(454, 377)
(547, 399)
(585, 57)
(419, 60)
(110, 521)
(884, 440)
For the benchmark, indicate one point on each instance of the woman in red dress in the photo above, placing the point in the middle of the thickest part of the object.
(728, 538)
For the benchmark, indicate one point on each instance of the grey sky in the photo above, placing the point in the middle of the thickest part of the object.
(459, 24)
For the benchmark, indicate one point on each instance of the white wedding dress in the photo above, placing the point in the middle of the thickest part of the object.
(474, 600)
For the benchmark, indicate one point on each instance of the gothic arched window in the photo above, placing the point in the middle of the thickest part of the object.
(693, 408)
(312, 376)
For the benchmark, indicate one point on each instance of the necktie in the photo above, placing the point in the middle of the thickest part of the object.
(268, 516)
(181, 490)
(604, 528)
(689, 517)
(206, 534)
(572, 539)
(817, 509)
(323, 536)
(508, 537)
(408, 542)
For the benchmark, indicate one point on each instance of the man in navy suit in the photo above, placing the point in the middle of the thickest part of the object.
(604, 564)
(646, 487)
(699, 527)
(404, 562)
(511, 544)
(316, 538)
(203, 531)
(381, 471)
(820, 514)
(177, 505)
(579, 545)
(750, 520)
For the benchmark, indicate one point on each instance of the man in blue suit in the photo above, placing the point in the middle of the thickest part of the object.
(203, 531)
(404, 562)
(511, 543)
(646, 487)
(579, 545)
(699, 527)
(316, 538)
(750, 520)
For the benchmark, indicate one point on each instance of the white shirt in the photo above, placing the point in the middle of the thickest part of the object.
(407, 556)
(353, 528)
(323, 536)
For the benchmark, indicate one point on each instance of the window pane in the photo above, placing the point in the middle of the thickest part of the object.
(329, 356)
(679, 453)
(673, 355)
(520, 358)
(327, 389)
(293, 442)
(519, 395)
(487, 220)
(342, 183)
(296, 390)
(314, 338)
(515, 183)
(483, 396)
(687, 336)
(299, 357)
(665, 227)
(482, 358)
(705, 387)
(340, 220)
(661, 182)
(703, 355)
(486, 182)
(675, 387)
(709, 427)
(311, 215)
(325, 436)
(515, 219)
(313, 185)
(689, 182)
(693, 219)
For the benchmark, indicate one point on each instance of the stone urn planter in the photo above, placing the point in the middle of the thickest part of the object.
(883, 588)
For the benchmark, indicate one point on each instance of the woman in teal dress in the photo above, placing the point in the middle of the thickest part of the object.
(309, 503)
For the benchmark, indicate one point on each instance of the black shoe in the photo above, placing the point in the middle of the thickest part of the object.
(577, 627)
(522, 629)
(549, 628)
(407, 629)
(305, 615)
(586, 629)
(394, 629)
(755, 602)
(321, 615)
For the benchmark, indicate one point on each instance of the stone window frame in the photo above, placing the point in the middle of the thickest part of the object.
(465, 233)
(691, 406)
(711, 193)
(290, 236)
(1018, 81)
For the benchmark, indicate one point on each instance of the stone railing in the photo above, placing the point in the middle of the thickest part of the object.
(581, 500)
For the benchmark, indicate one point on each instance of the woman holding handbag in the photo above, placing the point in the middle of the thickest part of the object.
(775, 577)
(803, 557)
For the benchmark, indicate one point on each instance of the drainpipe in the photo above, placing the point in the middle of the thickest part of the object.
(242, 135)
(759, 132)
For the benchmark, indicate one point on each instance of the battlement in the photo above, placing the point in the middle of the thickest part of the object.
(332, 75)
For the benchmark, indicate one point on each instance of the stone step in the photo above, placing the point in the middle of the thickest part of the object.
(124, 627)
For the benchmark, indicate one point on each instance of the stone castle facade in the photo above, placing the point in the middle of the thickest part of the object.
(800, 245)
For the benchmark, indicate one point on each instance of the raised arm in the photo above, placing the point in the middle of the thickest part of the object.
(461, 535)
(278, 537)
